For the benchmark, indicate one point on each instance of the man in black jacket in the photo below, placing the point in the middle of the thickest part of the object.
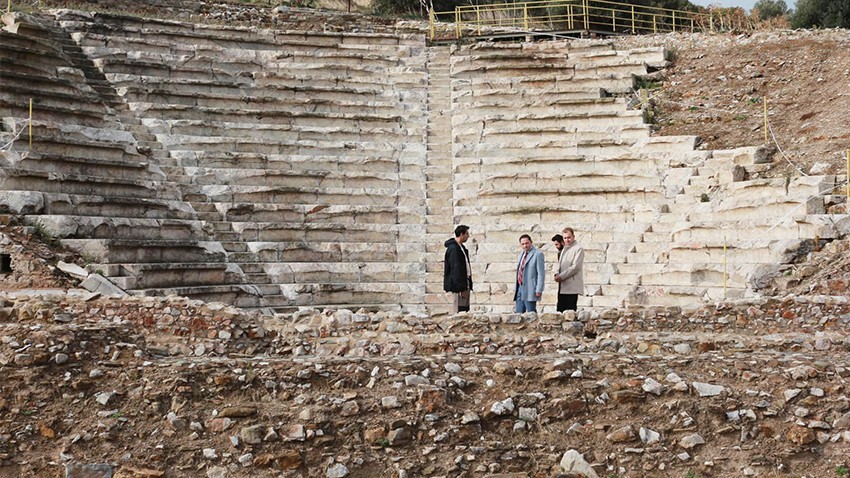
(457, 277)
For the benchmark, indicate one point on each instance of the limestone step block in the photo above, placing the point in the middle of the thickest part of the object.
(707, 275)
(631, 270)
(313, 212)
(643, 258)
(297, 118)
(353, 295)
(668, 145)
(59, 164)
(774, 252)
(132, 251)
(256, 279)
(51, 93)
(650, 247)
(104, 227)
(328, 232)
(351, 77)
(655, 57)
(343, 273)
(543, 80)
(347, 252)
(676, 178)
(544, 105)
(734, 232)
(146, 276)
(698, 185)
(233, 248)
(683, 296)
(555, 120)
(307, 179)
(604, 301)
(83, 113)
(37, 53)
(351, 104)
(538, 211)
(509, 203)
(545, 182)
(129, 85)
(657, 237)
(734, 209)
(746, 156)
(113, 206)
(381, 161)
(75, 184)
(573, 165)
(177, 33)
(311, 202)
(277, 132)
(84, 142)
(35, 33)
(238, 295)
(495, 97)
(801, 187)
(551, 136)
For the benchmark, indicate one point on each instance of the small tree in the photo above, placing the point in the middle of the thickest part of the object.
(821, 14)
(767, 9)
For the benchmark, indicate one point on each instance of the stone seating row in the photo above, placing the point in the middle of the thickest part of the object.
(177, 33)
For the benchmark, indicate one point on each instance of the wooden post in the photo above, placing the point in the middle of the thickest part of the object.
(30, 124)
(766, 125)
(724, 267)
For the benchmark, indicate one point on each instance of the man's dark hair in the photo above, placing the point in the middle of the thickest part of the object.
(460, 230)
(558, 238)
(526, 236)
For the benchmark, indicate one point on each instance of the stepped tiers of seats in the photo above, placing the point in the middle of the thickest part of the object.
(289, 168)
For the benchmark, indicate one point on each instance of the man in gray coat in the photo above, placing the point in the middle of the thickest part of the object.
(569, 275)
(530, 276)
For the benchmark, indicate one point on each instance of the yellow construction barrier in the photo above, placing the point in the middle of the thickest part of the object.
(564, 15)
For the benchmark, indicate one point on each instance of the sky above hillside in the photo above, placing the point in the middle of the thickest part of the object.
(746, 4)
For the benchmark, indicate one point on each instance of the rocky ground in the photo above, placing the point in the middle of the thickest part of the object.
(150, 387)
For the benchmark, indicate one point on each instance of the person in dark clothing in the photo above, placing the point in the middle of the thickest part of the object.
(457, 276)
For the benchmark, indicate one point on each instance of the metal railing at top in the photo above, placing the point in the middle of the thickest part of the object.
(567, 15)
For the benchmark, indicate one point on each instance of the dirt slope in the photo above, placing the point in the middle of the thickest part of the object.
(717, 83)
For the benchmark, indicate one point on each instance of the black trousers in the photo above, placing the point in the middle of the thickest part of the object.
(567, 302)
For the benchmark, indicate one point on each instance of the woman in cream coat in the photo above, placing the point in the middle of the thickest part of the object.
(569, 275)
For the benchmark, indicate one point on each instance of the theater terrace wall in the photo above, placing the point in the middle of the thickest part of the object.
(282, 168)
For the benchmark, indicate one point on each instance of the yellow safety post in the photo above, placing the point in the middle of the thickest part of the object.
(9, 7)
(431, 21)
(848, 175)
(674, 21)
(525, 16)
(457, 23)
(764, 100)
(478, 18)
(30, 123)
(585, 6)
(613, 20)
(654, 25)
(692, 24)
(570, 16)
(634, 30)
(724, 267)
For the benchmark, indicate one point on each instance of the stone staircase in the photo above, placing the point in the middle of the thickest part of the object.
(87, 178)
(297, 150)
(540, 144)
